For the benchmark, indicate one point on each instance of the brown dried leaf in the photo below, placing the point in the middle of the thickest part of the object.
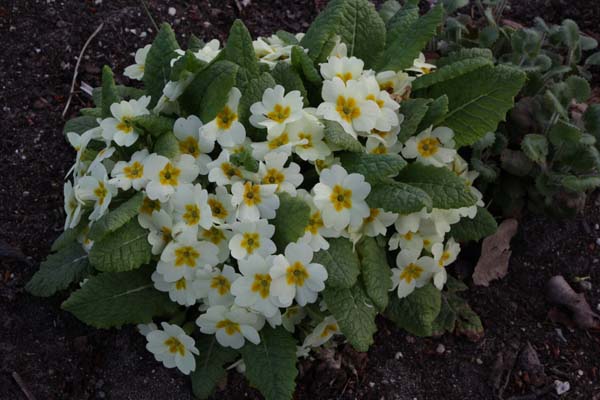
(495, 254)
(561, 293)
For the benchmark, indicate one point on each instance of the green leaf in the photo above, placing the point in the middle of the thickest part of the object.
(447, 191)
(463, 54)
(167, 145)
(478, 100)
(67, 237)
(80, 124)
(389, 9)
(417, 312)
(467, 321)
(357, 24)
(445, 321)
(125, 249)
(272, 363)
(239, 50)
(244, 160)
(91, 112)
(570, 33)
(286, 76)
(535, 147)
(338, 138)
(515, 162)
(354, 313)
(374, 167)
(124, 92)
(591, 118)
(112, 299)
(594, 59)
(580, 184)
(407, 37)
(414, 111)
(398, 197)
(564, 134)
(450, 71)
(481, 226)
(157, 69)
(109, 91)
(375, 271)
(208, 92)
(291, 220)
(116, 218)
(341, 262)
(287, 37)
(155, 125)
(187, 64)
(251, 94)
(579, 87)
(195, 43)
(70, 264)
(304, 64)
(435, 113)
(209, 365)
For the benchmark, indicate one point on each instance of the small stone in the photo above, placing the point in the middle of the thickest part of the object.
(479, 361)
(598, 241)
(399, 355)
(561, 387)
(597, 226)
(579, 372)
(586, 285)
(371, 384)
(440, 349)
(172, 11)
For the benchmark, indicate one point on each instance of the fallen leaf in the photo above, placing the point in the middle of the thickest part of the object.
(495, 254)
(558, 291)
(529, 362)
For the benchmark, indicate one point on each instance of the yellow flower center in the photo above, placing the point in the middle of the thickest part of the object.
(125, 125)
(262, 285)
(230, 327)
(379, 102)
(134, 171)
(279, 113)
(273, 176)
(181, 284)
(225, 118)
(309, 140)
(296, 274)
(329, 329)
(217, 208)
(186, 255)
(314, 223)
(380, 149)
(374, 213)
(251, 194)
(428, 146)
(100, 192)
(347, 108)
(148, 206)
(192, 214)
(221, 283)
(388, 86)
(410, 272)
(341, 198)
(230, 171)
(408, 236)
(279, 141)
(169, 175)
(425, 70)
(175, 346)
(250, 242)
(344, 76)
(214, 235)
(445, 257)
(190, 146)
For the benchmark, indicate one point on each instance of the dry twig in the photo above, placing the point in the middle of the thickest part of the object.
(21, 384)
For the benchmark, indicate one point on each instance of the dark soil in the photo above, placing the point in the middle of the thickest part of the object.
(54, 356)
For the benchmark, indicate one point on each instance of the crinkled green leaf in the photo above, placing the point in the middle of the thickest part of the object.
(376, 274)
(468, 323)
(357, 24)
(435, 113)
(407, 37)
(244, 159)
(579, 87)
(70, 264)
(187, 64)
(398, 197)
(594, 59)
(286, 76)
(564, 134)
(251, 94)
(272, 363)
(389, 9)
(355, 314)
(447, 191)
(290, 221)
(463, 54)
(341, 262)
(287, 37)
(339, 139)
(157, 68)
(195, 43)
(374, 167)
(414, 111)
(481, 226)
(153, 124)
(125, 92)
(112, 299)
(239, 50)
(580, 184)
(209, 365)
(450, 71)
(446, 319)
(478, 101)
(535, 147)
(109, 91)
(304, 64)
(125, 249)
(80, 124)
(417, 312)
(116, 218)
(167, 145)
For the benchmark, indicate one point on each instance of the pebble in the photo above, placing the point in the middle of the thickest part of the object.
(440, 349)
(598, 241)
(561, 387)
(399, 355)
(586, 285)
(371, 384)
(479, 361)
(579, 372)
(172, 11)
(597, 226)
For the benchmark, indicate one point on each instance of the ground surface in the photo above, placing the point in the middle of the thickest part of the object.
(56, 357)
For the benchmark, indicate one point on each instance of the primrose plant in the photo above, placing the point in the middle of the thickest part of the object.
(255, 201)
